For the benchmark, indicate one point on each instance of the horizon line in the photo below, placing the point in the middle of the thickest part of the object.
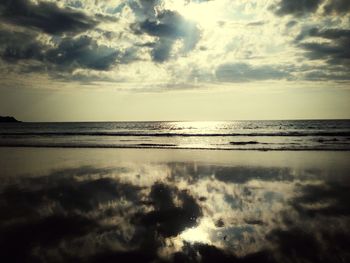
(94, 121)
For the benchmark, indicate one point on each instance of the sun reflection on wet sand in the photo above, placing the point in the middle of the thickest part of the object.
(198, 234)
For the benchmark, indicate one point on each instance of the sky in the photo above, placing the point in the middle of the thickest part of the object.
(114, 60)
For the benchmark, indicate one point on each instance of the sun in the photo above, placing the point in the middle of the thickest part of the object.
(204, 13)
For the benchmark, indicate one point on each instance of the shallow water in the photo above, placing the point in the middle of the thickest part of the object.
(123, 205)
(227, 135)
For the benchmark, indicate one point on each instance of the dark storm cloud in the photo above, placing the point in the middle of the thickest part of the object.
(333, 53)
(72, 194)
(19, 45)
(337, 6)
(335, 50)
(311, 244)
(333, 196)
(18, 241)
(87, 196)
(205, 253)
(234, 174)
(47, 17)
(330, 33)
(242, 72)
(161, 51)
(322, 228)
(64, 188)
(70, 53)
(297, 8)
(303, 7)
(167, 218)
(60, 54)
(330, 45)
(82, 52)
(168, 26)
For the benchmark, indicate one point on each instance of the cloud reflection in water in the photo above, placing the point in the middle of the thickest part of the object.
(188, 212)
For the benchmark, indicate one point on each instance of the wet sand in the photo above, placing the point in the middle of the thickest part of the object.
(161, 205)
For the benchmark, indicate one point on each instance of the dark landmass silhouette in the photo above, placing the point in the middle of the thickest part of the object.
(8, 119)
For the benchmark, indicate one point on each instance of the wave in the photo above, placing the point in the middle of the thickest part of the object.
(156, 145)
(244, 143)
(173, 146)
(126, 134)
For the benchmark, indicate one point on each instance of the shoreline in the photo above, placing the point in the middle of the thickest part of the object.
(161, 147)
(27, 160)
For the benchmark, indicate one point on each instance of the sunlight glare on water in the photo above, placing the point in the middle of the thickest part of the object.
(198, 127)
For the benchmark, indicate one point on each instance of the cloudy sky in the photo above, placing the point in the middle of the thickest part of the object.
(174, 59)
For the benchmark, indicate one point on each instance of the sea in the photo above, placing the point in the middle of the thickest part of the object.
(220, 135)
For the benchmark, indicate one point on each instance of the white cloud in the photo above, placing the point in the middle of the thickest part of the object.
(169, 43)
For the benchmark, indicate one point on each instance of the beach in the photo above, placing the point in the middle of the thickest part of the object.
(175, 131)
(173, 205)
